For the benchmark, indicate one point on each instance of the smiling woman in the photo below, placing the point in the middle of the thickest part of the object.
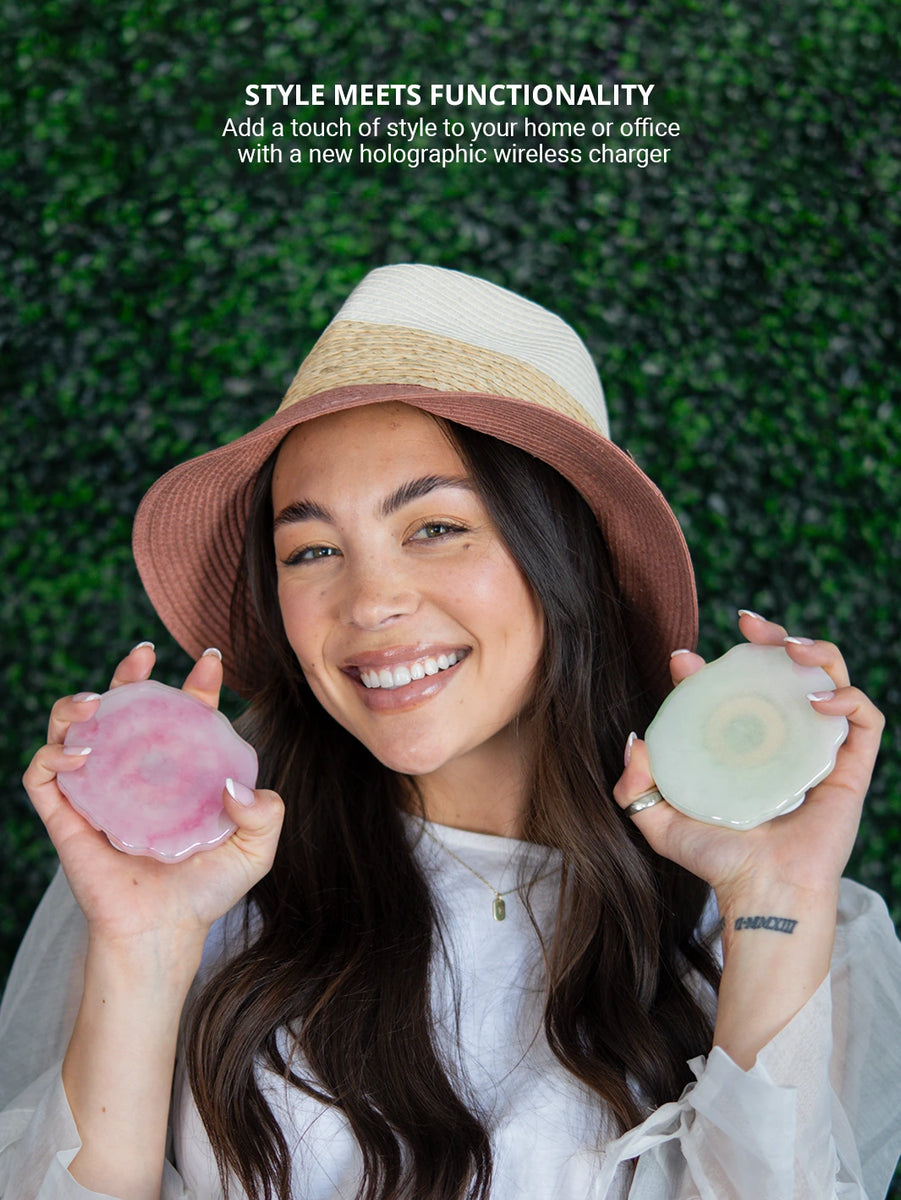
(458, 946)
(411, 621)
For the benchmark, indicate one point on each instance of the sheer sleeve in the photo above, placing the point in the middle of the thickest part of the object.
(816, 1118)
(38, 1137)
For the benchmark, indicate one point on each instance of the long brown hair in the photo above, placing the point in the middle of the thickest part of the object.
(346, 927)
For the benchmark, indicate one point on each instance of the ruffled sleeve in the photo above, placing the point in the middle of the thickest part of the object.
(816, 1118)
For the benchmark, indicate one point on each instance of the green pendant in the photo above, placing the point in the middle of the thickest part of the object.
(499, 908)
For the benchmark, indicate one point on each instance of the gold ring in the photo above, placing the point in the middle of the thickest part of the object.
(646, 800)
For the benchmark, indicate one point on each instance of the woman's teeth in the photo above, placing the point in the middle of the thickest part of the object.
(388, 677)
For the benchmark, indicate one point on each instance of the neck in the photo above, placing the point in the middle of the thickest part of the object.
(466, 796)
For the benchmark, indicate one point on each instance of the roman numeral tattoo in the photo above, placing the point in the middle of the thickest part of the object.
(778, 924)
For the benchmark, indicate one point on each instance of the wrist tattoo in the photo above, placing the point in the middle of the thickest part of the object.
(779, 924)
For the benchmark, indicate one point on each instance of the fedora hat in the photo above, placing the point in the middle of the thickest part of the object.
(460, 348)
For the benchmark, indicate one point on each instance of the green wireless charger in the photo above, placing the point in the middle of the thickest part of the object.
(738, 742)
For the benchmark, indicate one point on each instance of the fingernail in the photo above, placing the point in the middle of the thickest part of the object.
(799, 641)
(84, 697)
(76, 751)
(680, 651)
(240, 792)
(749, 612)
(627, 756)
(212, 650)
(140, 645)
(821, 695)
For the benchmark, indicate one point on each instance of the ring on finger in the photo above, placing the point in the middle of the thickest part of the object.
(646, 800)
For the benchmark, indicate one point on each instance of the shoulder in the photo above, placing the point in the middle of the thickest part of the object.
(864, 928)
(861, 909)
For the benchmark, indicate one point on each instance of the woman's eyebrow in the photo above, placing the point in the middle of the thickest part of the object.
(413, 489)
(300, 510)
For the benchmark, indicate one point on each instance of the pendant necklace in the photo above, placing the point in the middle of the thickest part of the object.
(498, 905)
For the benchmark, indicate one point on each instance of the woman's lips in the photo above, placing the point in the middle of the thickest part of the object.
(398, 679)
(399, 676)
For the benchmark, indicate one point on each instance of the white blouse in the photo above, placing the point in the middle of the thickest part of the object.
(818, 1117)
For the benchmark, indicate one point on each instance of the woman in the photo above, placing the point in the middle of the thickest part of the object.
(480, 950)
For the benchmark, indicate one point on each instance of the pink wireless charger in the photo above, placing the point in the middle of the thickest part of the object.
(158, 763)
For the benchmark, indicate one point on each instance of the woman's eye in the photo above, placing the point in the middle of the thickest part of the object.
(310, 554)
(436, 529)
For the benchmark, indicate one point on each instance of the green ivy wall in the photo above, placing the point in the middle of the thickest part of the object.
(741, 300)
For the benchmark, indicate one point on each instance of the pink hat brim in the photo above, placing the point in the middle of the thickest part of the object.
(189, 529)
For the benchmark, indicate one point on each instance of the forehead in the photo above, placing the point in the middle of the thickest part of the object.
(365, 447)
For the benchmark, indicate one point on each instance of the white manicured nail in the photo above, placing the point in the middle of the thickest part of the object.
(212, 650)
(240, 792)
(680, 651)
(821, 695)
(140, 646)
(749, 612)
(627, 756)
(799, 641)
(77, 751)
(85, 697)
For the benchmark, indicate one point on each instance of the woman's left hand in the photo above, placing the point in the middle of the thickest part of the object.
(806, 849)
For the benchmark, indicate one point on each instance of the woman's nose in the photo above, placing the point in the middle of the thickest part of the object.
(377, 592)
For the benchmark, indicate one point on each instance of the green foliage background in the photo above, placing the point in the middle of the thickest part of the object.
(741, 301)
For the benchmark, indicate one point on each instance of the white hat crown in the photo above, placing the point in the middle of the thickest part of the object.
(421, 325)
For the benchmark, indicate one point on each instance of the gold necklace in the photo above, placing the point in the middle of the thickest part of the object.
(498, 907)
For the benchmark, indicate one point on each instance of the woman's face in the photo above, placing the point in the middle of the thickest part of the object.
(413, 624)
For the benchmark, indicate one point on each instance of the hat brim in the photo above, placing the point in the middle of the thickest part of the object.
(189, 529)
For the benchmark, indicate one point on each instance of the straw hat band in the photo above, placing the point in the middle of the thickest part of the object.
(349, 352)
(479, 314)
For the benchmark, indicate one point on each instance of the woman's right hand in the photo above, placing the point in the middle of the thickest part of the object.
(126, 897)
(147, 922)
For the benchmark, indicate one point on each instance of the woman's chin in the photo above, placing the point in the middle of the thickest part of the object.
(407, 761)
(414, 751)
